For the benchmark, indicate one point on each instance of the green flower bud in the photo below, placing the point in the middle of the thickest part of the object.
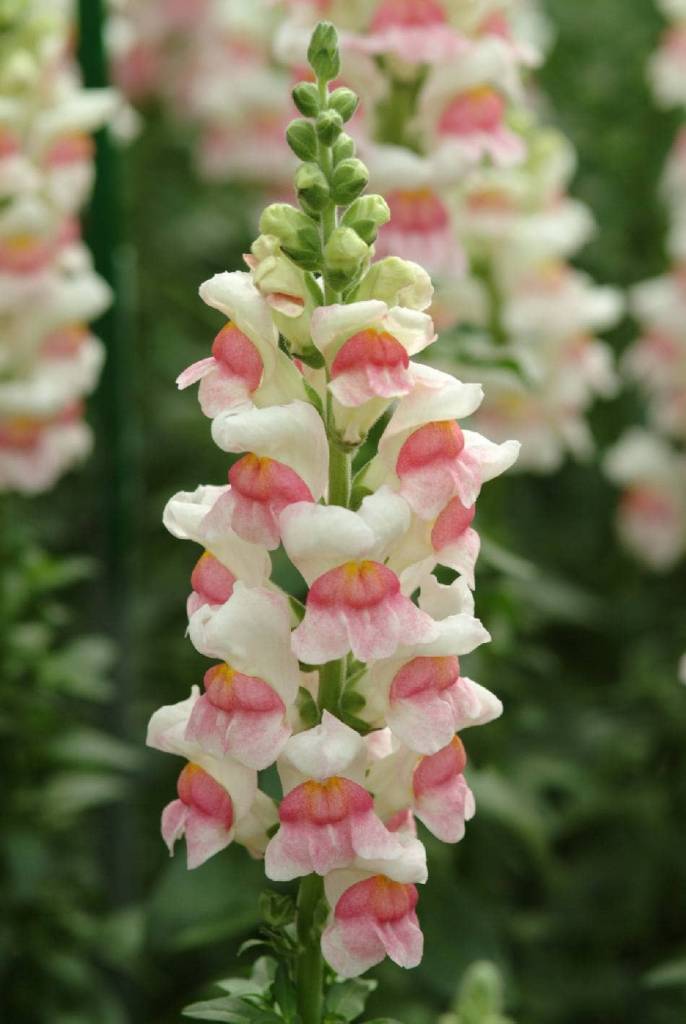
(323, 55)
(345, 101)
(301, 137)
(397, 282)
(350, 177)
(312, 187)
(297, 233)
(306, 98)
(345, 256)
(374, 208)
(329, 126)
(366, 229)
(343, 148)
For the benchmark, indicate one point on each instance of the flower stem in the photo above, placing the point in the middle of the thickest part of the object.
(339, 476)
(310, 965)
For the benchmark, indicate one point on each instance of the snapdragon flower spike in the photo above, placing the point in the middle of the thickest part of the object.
(46, 170)
(360, 639)
(327, 820)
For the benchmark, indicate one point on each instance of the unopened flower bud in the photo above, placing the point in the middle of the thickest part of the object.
(366, 215)
(344, 257)
(329, 126)
(345, 101)
(350, 177)
(312, 187)
(343, 148)
(297, 233)
(306, 98)
(301, 137)
(323, 55)
(397, 282)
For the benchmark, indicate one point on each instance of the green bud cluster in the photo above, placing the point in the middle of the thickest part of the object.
(333, 231)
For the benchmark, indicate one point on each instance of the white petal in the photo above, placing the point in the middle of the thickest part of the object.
(331, 748)
(292, 434)
(332, 325)
(251, 632)
(320, 537)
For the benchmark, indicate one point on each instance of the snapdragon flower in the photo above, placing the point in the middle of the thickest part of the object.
(355, 693)
(49, 359)
(648, 464)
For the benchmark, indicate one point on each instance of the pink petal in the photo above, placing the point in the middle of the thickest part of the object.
(195, 372)
(221, 391)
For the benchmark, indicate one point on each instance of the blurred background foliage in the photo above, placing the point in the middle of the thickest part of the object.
(572, 878)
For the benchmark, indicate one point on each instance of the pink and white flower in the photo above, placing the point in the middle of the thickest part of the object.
(358, 607)
(327, 819)
(244, 710)
(287, 462)
(373, 916)
(652, 510)
(367, 348)
(426, 455)
(216, 797)
(462, 109)
(432, 786)
(227, 557)
(414, 31)
(420, 692)
(246, 365)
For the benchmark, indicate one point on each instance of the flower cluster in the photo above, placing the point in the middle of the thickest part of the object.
(49, 292)
(356, 693)
(651, 511)
(477, 189)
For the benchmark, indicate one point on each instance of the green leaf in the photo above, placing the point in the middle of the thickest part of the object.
(231, 1010)
(195, 908)
(297, 607)
(70, 793)
(259, 982)
(93, 748)
(313, 396)
(277, 909)
(669, 974)
(284, 993)
(307, 708)
(348, 998)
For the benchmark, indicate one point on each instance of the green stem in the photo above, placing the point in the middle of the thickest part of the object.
(496, 327)
(310, 965)
(340, 476)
